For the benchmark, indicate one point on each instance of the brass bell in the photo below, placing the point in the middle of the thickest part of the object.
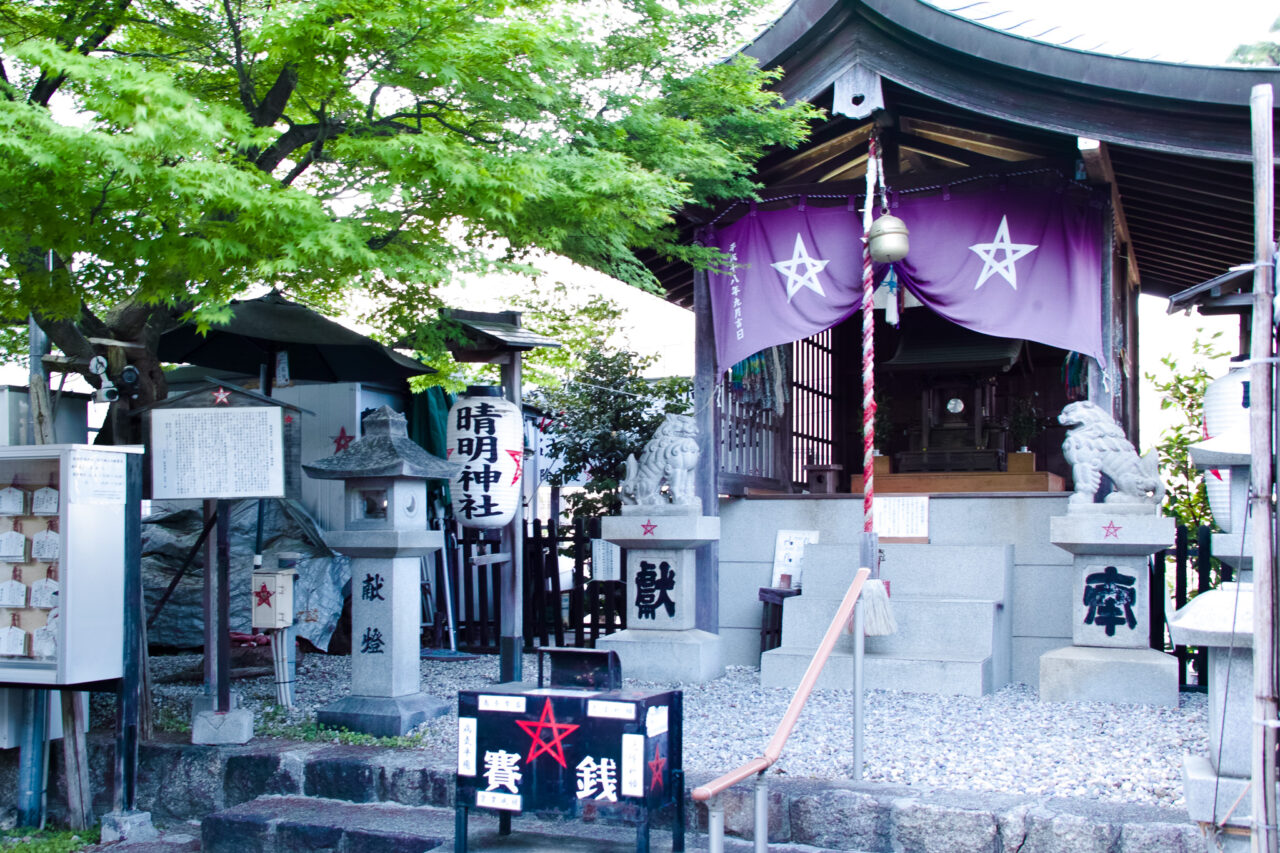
(887, 238)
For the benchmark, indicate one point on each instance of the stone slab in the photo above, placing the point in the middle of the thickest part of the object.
(212, 727)
(386, 618)
(382, 716)
(1219, 617)
(1024, 665)
(385, 543)
(1040, 601)
(130, 826)
(1199, 785)
(662, 592)
(1122, 676)
(687, 656)
(660, 531)
(1110, 605)
(1234, 549)
(1111, 532)
(209, 702)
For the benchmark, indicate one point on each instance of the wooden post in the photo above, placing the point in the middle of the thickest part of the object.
(511, 634)
(704, 392)
(1263, 789)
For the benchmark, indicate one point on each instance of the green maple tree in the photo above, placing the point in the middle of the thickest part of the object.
(159, 158)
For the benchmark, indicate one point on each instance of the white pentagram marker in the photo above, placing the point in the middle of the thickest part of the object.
(791, 270)
(1003, 267)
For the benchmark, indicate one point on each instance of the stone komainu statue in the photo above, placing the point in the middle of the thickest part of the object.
(670, 456)
(1094, 446)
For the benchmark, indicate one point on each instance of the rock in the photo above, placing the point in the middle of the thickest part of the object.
(933, 828)
(1068, 833)
(1166, 837)
(840, 819)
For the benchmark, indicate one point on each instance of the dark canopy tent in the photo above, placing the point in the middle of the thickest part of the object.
(318, 348)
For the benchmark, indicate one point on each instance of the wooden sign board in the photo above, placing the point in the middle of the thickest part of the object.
(236, 452)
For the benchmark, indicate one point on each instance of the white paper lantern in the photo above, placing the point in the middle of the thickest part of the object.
(1224, 412)
(485, 436)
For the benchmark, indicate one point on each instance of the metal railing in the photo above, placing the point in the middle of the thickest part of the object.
(710, 792)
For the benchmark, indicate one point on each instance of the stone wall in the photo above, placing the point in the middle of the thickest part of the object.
(1040, 598)
(180, 781)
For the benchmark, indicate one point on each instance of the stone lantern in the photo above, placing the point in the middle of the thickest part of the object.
(386, 536)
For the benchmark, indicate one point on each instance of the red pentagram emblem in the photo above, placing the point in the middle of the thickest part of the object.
(559, 731)
(342, 440)
(648, 527)
(518, 457)
(222, 397)
(262, 597)
(1111, 531)
(656, 767)
(288, 419)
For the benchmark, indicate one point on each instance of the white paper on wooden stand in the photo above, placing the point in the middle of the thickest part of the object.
(788, 556)
(217, 453)
(902, 517)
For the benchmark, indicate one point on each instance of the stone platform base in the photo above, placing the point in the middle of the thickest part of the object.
(212, 727)
(1199, 785)
(1122, 676)
(382, 716)
(687, 656)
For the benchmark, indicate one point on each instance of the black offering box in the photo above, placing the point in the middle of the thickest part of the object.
(579, 744)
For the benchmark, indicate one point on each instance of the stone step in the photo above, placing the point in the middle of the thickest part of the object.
(949, 571)
(966, 676)
(926, 626)
(304, 824)
(956, 627)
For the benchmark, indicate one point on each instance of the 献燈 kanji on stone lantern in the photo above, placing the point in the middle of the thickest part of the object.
(385, 533)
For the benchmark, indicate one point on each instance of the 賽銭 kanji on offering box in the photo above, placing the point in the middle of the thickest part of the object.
(570, 752)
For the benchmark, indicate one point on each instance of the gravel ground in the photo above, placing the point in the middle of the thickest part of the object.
(1007, 742)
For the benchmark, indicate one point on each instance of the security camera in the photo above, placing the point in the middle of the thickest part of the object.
(129, 376)
(108, 393)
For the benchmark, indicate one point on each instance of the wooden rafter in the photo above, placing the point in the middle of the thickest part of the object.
(989, 144)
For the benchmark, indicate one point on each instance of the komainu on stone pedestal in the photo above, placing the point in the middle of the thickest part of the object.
(671, 456)
(1095, 445)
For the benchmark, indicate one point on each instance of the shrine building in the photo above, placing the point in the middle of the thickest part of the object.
(1044, 188)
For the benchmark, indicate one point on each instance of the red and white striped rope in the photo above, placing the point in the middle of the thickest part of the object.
(869, 348)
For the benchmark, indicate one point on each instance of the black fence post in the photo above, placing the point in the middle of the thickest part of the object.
(576, 610)
(1180, 594)
(1155, 600)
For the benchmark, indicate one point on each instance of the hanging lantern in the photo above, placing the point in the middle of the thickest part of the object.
(485, 436)
(887, 238)
(1224, 412)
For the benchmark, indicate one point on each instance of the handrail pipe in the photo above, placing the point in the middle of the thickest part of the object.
(709, 793)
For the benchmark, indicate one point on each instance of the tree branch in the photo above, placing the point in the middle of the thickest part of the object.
(48, 84)
(273, 103)
(245, 85)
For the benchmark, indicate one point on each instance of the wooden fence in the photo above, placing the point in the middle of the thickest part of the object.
(555, 613)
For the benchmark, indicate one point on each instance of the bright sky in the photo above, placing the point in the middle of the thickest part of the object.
(1145, 29)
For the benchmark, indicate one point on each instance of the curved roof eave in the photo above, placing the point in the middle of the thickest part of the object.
(1185, 109)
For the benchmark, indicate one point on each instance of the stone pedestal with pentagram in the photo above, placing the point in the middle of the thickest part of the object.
(1111, 659)
(661, 642)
